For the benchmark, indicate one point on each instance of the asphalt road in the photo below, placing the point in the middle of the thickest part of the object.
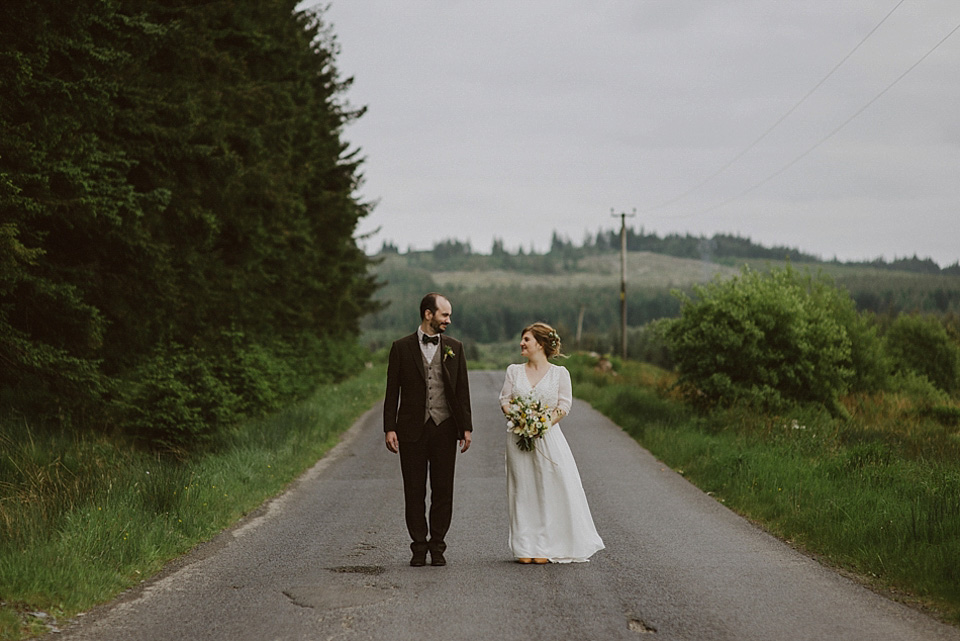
(329, 560)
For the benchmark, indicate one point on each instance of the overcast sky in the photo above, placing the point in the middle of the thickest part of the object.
(515, 118)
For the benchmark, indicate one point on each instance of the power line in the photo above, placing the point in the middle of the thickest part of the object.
(828, 136)
(776, 124)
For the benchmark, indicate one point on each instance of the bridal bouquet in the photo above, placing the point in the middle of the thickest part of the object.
(529, 419)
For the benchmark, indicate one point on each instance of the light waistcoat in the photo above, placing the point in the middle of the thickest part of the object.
(437, 407)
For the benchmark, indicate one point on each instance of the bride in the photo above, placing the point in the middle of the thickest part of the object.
(550, 520)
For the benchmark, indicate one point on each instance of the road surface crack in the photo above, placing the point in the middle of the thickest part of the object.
(640, 626)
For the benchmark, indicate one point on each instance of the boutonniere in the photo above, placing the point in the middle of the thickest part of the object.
(447, 352)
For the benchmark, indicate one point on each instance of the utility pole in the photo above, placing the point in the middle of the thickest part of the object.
(623, 278)
(583, 310)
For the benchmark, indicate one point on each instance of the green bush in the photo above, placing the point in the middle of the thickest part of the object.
(45, 381)
(922, 345)
(649, 344)
(256, 376)
(768, 339)
(918, 388)
(176, 401)
(182, 398)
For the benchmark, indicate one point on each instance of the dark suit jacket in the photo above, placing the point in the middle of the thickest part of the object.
(406, 398)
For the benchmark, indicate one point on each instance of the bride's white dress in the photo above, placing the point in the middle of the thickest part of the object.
(549, 515)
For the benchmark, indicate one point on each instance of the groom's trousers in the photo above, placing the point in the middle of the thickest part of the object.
(433, 455)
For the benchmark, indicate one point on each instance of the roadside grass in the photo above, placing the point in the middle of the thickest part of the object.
(877, 495)
(83, 518)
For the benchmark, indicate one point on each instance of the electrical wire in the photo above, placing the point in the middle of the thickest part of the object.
(828, 136)
(776, 124)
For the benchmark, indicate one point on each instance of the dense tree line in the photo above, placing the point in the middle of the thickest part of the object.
(930, 294)
(687, 246)
(493, 314)
(563, 254)
(914, 265)
(490, 314)
(176, 205)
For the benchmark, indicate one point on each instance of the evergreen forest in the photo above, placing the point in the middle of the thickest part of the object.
(177, 214)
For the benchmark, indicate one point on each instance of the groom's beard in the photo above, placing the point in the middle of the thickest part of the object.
(437, 328)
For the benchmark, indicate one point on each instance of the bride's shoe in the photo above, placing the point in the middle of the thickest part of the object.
(540, 561)
(524, 560)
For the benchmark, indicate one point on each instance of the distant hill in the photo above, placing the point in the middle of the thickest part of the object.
(452, 255)
(578, 286)
(644, 269)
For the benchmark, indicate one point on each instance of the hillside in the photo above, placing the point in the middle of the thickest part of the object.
(496, 294)
(644, 269)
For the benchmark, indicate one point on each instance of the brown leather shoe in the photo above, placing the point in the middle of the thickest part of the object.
(540, 561)
(524, 560)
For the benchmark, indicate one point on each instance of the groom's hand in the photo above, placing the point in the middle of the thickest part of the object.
(392, 444)
(465, 442)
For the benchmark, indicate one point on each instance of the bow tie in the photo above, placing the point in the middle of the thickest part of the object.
(431, 339)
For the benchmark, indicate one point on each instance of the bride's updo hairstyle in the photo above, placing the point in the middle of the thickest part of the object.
(548, 338)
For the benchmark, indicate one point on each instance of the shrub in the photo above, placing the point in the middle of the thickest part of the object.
(918, 388)
(649, 344)
(182, 399)
(871, 365)
(766, 339)
(921, 344)
(254, 373)
(176, 402)
(45, 381)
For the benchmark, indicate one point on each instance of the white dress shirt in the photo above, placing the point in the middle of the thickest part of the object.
(429, 349)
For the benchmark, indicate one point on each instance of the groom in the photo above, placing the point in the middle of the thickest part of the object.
(426, 417)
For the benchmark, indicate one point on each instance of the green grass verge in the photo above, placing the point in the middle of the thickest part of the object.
(82, 518)
(877, 495)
